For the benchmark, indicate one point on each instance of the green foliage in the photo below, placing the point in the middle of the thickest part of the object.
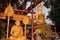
(55, 12)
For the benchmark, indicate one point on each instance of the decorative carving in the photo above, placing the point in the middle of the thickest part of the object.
(9, 10)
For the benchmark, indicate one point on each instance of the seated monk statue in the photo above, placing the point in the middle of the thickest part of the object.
(17, 32)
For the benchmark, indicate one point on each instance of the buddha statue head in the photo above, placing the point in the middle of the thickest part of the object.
(40, 8)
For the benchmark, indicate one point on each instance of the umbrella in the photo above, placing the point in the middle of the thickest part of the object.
(8, 12)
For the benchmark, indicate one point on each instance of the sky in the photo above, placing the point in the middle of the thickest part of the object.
(45, 11)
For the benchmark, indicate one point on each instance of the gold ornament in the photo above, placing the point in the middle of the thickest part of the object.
(17, 17)
(26, 20)
(9, 10)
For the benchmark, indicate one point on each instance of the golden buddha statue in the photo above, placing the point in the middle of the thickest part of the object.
(43, 28)
(40, 17)
(17, 32)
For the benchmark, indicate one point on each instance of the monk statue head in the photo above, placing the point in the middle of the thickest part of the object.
(17, 23)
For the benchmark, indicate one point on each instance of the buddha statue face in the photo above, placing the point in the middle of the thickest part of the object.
(40, 8)
(17, 23)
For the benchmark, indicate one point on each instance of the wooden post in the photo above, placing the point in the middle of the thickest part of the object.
(8, 27)
(32, 25)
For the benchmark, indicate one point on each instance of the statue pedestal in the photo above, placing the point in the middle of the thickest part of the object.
(18, 38)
